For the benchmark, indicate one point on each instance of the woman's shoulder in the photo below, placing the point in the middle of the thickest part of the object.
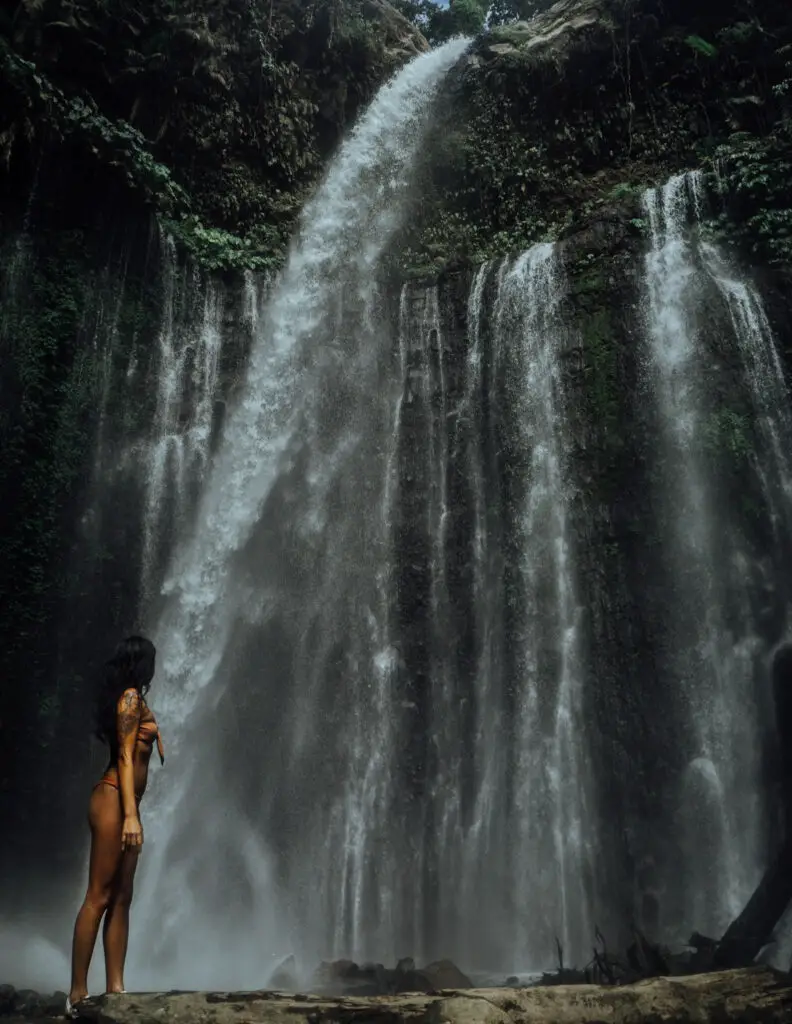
(130, 700)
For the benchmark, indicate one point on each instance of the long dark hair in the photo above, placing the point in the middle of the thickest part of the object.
(132, 664)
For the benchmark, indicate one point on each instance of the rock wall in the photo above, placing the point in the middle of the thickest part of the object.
(108, 419)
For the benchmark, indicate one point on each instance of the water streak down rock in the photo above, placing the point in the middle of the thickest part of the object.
(716, 651)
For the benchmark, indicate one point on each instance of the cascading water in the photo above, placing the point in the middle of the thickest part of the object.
(714, 648)
(492, 775)
(280, 561)
(177, 451)
(553, 831)
(767, 384)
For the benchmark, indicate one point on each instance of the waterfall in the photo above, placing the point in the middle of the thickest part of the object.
(554, 831)
(272, 596)
(715, 650)
(768, 387)
(176, 453)
(493, 776)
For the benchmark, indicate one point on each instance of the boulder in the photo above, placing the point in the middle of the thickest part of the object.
(402, 40)
(30, 1004)
(331, 971)
(567, 26)
(54, 1005)
(435, 977)
(344, 977)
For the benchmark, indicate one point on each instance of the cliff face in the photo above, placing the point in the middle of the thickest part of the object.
(569, 116)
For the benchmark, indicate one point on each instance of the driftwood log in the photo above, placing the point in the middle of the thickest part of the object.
(754, 927)
(756, 994)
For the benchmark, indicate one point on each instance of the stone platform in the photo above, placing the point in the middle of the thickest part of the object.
(755, 994)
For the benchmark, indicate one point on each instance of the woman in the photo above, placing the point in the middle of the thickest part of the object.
(125, 723)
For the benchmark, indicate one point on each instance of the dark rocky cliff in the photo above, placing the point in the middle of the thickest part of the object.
(564, 119)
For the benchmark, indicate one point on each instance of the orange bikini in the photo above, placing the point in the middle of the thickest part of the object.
(147, 733)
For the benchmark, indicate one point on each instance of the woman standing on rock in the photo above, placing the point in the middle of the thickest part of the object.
(125, 723)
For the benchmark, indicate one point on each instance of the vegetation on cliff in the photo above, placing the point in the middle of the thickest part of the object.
(554, 120)
(221, 114)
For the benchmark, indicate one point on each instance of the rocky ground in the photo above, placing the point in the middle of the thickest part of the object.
(755, 994)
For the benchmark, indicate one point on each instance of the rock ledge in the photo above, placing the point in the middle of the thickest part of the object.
(755, 994)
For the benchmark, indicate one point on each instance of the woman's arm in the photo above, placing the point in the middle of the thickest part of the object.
(127, 721)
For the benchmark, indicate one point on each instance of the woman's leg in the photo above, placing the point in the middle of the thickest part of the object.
(105, 819)
(116, 922)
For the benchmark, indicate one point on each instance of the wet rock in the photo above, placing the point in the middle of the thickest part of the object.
(332, 971)
(29, 1003)
(402, 41)
(565, 27)
(346, 978)
(445, 974)
(55, 1004)
(435, 977)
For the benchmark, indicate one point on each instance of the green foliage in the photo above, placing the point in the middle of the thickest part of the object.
(536, 143)
(440, 23)
(232, 103)
(215, 249)
(753, 175)
(502, 12)
(624, 190)
(466, 17)
(116, 144)
(701, 46)
(739, 33)
(417, 12)
(782, 90)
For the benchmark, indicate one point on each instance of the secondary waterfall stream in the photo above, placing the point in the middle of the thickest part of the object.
(715, 649)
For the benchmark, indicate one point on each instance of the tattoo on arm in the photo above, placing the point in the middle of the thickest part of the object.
(128, 714)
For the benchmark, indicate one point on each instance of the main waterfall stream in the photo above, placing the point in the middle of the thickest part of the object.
(276, 669)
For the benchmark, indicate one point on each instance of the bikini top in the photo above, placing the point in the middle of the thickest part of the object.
(148, 730)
